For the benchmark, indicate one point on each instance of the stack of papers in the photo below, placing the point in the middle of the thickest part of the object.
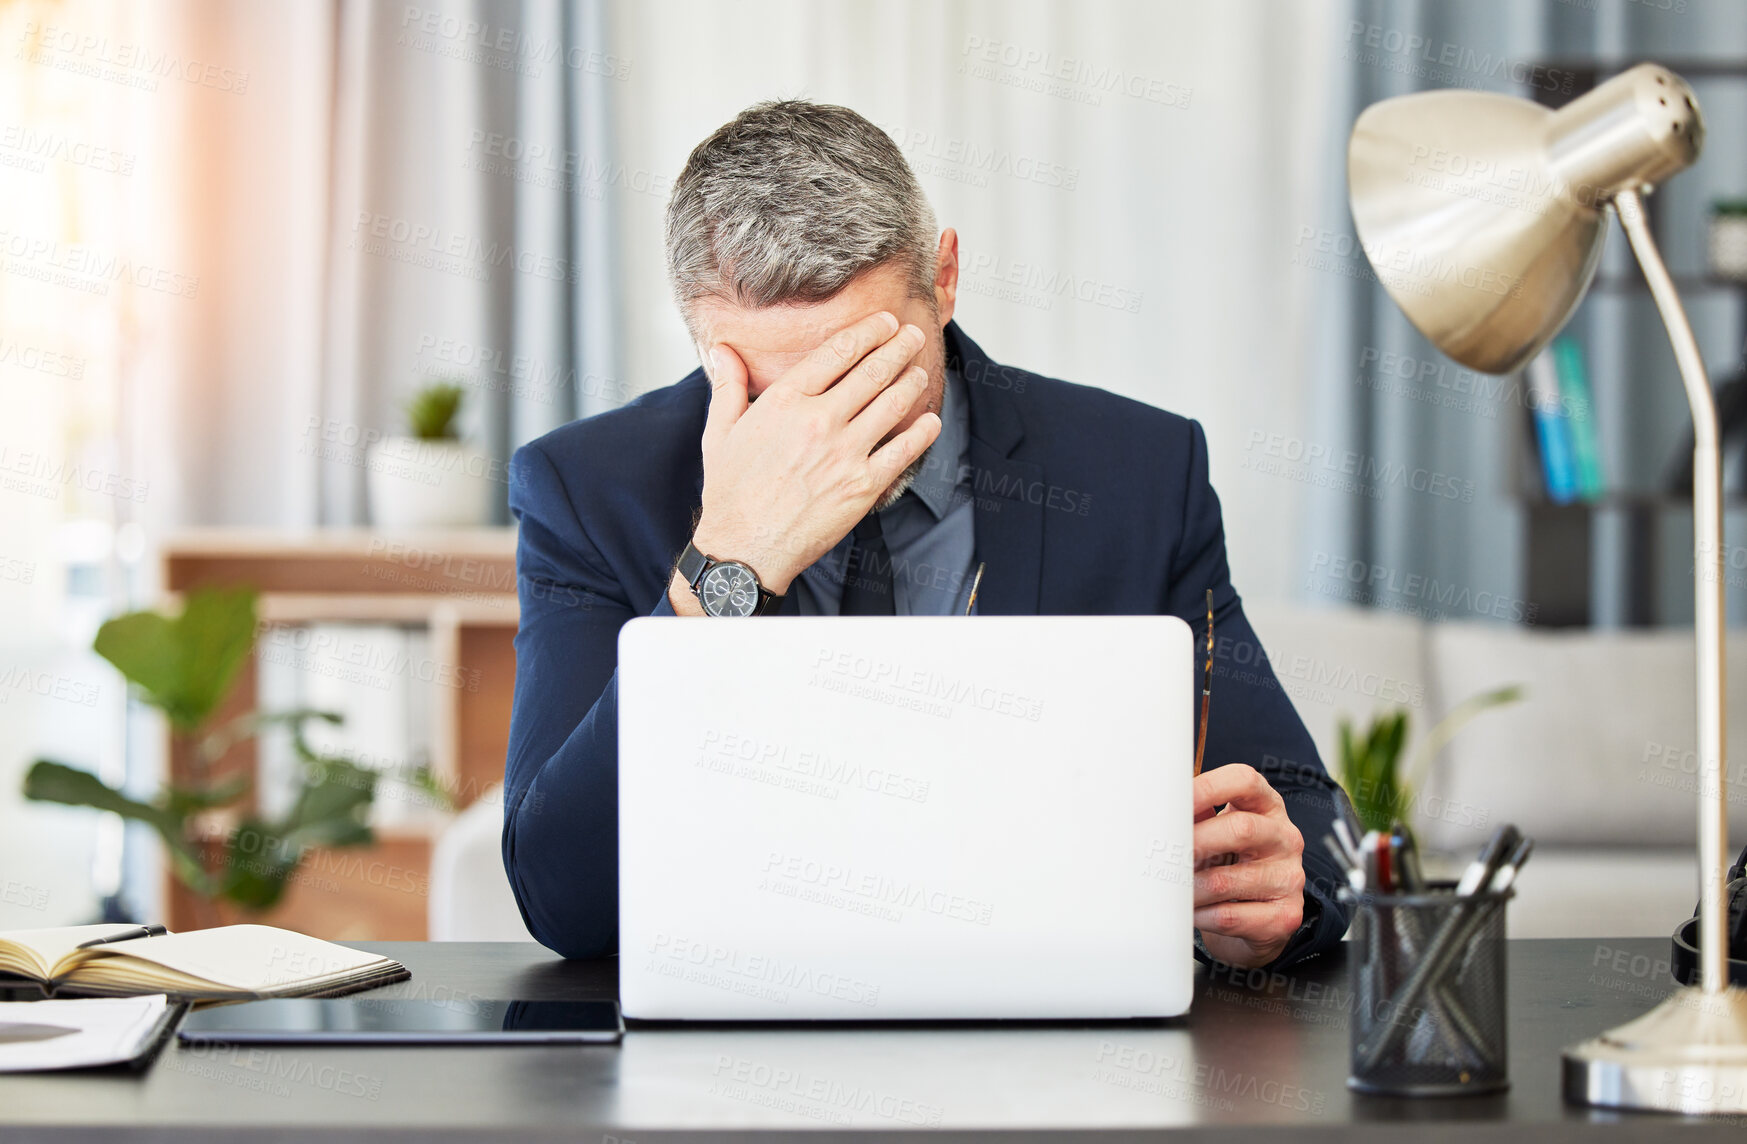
(37, 1036)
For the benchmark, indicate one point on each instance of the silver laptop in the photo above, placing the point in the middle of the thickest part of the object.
(912, 818)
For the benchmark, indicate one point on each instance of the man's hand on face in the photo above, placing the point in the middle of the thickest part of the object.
(787, 476)
(1249, 870)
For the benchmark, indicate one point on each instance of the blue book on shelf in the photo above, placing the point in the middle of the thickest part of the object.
(1577, 406)
(1552, 430)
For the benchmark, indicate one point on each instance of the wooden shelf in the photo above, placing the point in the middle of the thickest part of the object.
(1628, 502)
(501, 608)
(460, 584)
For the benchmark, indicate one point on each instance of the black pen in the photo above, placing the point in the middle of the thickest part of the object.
(126, 935)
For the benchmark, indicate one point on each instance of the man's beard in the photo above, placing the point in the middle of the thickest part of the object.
(936, 371)
(899, 487)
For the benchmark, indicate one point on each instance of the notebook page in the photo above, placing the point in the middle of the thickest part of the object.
(51, 945)
(247, 958)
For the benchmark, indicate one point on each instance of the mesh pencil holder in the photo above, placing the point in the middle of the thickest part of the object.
(1428, 978)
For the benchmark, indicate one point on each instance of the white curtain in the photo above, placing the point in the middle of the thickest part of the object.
(1154, 159)
(1128, 179)
(404, 194)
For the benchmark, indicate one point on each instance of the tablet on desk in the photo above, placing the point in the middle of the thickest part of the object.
(356, 1020)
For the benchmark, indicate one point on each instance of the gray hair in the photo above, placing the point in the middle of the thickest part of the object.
(790, 201)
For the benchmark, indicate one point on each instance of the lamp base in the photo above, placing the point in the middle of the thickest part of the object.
(1687, 1055)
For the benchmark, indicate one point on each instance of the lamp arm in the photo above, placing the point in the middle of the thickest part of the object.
(1707, 501)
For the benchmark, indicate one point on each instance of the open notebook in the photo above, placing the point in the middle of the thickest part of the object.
(226, 963)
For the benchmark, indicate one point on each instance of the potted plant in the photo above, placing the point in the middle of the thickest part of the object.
(1381, 788)
(228, 855)
(1728, 239)
(429, 478)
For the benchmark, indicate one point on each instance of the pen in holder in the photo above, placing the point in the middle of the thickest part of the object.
(1429, 991)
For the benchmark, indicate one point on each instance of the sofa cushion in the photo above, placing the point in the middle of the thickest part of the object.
(1600, 750)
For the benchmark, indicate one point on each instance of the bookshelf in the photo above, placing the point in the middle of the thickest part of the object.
(1632, 537)
(458, 586)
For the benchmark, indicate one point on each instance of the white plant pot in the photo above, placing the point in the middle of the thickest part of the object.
(1728, 246)
(428, 484)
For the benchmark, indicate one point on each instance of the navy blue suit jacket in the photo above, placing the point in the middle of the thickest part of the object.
(1086, 503)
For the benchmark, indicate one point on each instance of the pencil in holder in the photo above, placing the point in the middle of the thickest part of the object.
(1428, 977)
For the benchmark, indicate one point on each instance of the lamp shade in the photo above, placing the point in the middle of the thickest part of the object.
(1483, 215)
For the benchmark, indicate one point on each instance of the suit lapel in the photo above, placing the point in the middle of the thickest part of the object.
(1006, 492)
(1009, 533)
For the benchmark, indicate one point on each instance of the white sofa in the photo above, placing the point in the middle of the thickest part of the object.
(1596, 763)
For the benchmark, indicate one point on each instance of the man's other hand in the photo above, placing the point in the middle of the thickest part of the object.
(1249, 869)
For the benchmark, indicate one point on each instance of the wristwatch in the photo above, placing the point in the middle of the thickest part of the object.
(725, 587)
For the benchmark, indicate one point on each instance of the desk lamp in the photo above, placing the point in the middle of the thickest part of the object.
(1483, 216)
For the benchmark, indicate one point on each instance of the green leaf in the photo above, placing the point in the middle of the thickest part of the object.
(431, 412)
(49, 781)
(183, 800)
(184, 665)
(259, 861)
(251, 723)
(331, 805)
(330, 808)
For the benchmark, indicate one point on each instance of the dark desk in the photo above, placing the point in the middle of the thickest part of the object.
(1266, 1055)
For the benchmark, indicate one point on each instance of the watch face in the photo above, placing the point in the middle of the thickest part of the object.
(729, 589)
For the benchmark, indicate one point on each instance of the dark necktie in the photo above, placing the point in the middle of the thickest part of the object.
(867, 584)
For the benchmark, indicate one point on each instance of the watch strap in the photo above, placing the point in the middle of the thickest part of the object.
(692, 565)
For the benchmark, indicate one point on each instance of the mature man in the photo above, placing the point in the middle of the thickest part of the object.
(846, 449)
